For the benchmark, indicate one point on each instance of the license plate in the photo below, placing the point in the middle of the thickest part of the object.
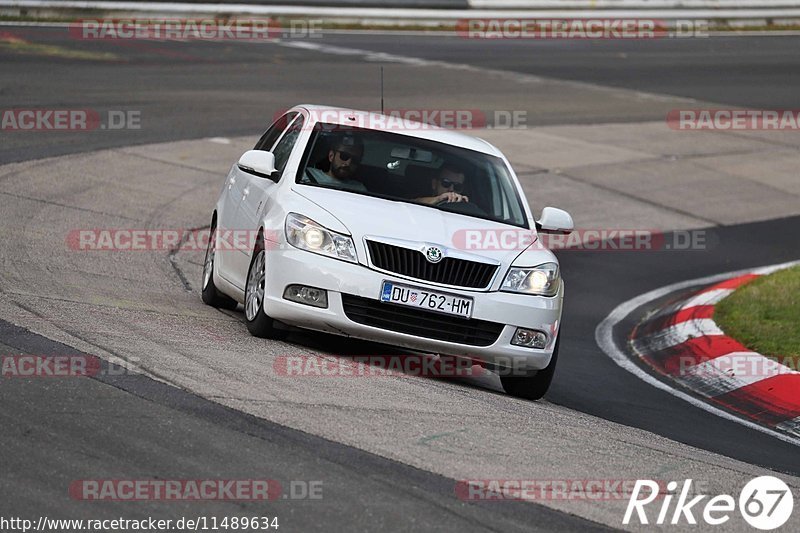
(424, 299)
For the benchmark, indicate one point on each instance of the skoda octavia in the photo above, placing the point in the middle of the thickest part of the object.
(388, 230)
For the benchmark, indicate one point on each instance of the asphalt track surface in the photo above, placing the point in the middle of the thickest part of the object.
(195, 90)
(189, 90)
(157, 428)
(752, 72)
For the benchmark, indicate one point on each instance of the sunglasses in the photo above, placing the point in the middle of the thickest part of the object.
(458, 187)
(347, 156)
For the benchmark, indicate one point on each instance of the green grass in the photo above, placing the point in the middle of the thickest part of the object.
(764, 315)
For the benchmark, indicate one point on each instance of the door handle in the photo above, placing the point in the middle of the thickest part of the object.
(245, 192)
(231, 182)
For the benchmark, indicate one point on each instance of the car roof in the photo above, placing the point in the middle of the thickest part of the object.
(397, 124)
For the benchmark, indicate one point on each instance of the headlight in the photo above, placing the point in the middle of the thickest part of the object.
(542, 280)
(304, 233)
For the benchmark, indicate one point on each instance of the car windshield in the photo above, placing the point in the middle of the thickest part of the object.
(404, 168)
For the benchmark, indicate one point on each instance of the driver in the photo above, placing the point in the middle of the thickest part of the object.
(343, 158)
(447, 186)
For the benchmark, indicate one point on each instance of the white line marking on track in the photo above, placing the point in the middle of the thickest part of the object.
(792, 426)
(730, 372)
(505, 74)
(604, 336)
(707, 298)
(676, 334)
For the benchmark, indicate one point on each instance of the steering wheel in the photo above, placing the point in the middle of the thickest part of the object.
(465, 208)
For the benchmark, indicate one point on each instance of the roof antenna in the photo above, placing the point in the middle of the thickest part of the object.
(381, 89)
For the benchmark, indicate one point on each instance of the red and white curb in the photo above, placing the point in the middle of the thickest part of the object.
(683, 343)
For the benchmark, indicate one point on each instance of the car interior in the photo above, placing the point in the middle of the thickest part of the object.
(402, 167)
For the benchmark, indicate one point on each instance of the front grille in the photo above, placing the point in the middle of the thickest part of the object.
(420, 323)
(448, 271)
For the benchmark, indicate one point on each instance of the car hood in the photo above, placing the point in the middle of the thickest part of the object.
(367, 216)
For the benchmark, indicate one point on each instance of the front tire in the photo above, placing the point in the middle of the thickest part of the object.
(532, 387)
(210, 293)
(259, 324)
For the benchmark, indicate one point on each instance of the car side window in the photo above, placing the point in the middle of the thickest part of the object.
(267, 141)
(284, 147)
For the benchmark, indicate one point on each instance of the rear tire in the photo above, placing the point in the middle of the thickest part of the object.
(210, 293)
(259, 324)
(532, 387)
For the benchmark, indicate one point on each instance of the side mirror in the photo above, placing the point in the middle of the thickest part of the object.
(258, 162)
(555, 221)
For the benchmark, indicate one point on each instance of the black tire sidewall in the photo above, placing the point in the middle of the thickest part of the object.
(209, 293)
(536, 386)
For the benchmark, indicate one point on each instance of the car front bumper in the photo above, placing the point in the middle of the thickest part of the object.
(292, 266)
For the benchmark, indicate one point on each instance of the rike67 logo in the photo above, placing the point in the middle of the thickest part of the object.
(765, 503)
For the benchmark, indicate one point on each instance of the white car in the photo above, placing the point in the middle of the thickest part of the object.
(345, 222)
